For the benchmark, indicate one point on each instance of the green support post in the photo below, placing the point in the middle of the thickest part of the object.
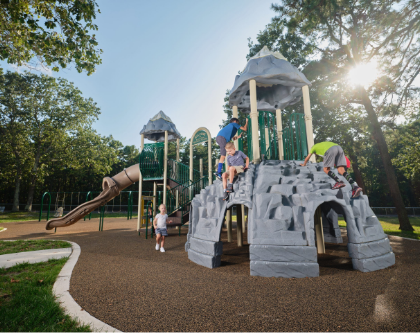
(129, 206)
(49, 206)
(87, 199)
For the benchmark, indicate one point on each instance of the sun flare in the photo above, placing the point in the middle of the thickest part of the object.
(363, 74)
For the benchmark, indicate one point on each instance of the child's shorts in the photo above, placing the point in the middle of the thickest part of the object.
(239, 168)
(162, 231)
(334, 156)
(221, 141)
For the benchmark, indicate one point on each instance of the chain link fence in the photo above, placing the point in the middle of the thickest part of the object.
(392, 211)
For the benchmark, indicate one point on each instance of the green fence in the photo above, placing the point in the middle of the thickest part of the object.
(151, 161)
(294, 137)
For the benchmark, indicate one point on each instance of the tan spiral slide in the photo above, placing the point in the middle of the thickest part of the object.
(111, 187)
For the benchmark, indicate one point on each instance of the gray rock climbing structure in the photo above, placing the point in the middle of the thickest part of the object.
(282, 198)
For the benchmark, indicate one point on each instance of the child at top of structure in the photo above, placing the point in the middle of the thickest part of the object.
(333, 155)
(160, 227)
(226, 134)
(238, 163)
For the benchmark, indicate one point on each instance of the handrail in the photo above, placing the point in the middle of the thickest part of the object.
(87, 199)
(185, 194)
(49, 206)
(180, 173)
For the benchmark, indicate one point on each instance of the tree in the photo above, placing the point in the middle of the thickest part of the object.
(13, 132)
(344, 35)
(55, 33)
(408, 155)
(41, 117)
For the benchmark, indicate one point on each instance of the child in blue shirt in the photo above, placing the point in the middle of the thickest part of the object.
(226, 134)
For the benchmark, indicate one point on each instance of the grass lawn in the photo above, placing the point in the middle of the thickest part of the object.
(34, 216)
(391, 226)
(30, 245)
(1, 228)
(27, 303)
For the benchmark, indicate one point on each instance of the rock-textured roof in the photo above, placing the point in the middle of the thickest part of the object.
(279, 83)
(155, 129)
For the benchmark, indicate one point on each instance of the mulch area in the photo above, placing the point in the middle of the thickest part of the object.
(123, 281)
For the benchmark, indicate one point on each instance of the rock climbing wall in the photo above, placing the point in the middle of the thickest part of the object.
(283, 197)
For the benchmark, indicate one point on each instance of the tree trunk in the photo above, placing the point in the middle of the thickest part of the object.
(15, 207)
(34, 175)
(386, 160)
(357, 174)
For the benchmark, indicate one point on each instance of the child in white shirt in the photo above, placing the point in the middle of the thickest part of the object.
(160, 227)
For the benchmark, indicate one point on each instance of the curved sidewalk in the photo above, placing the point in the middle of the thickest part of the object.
(61, 291)
(32, 257)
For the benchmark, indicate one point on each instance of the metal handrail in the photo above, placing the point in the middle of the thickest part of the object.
(180, 173)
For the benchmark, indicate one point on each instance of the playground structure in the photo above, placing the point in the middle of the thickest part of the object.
(292, 209)
(179, 183)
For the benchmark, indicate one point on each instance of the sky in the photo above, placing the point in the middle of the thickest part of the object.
(176, 56)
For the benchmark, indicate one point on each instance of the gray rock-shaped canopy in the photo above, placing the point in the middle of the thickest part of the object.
(155, 129)
(279, 83)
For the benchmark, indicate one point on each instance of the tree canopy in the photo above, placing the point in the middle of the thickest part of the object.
(50, 33)
(330, 39)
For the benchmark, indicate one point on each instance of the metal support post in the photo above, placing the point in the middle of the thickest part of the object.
(229, 224)
(165, 168)
(254, 121)
(239, 218)
(139, 207)
(235, 115)
(308, 120)
(319, 232)
(280, 134)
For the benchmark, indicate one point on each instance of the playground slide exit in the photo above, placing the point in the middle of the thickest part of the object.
(111, 187)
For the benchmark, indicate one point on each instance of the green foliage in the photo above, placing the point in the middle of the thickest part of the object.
(27, 302)
(31, 245)
(47, 141)
(326, 40)
(51, 32)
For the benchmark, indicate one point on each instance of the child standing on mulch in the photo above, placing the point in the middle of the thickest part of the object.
(333, 155)
(160, 227)
(238, 163)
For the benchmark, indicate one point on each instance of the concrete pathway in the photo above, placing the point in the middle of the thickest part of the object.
(32, 257)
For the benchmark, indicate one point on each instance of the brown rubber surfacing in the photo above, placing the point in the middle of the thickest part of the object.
(122, 280)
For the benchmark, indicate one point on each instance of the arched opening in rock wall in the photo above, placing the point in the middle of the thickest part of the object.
(234, 251)
(333, 253)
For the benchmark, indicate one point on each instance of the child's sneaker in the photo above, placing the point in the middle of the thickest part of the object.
(162, 249)
(157, 247)
(355, 192)
(229, 188)
(226, 196)
(338, 185)
(218, 176)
